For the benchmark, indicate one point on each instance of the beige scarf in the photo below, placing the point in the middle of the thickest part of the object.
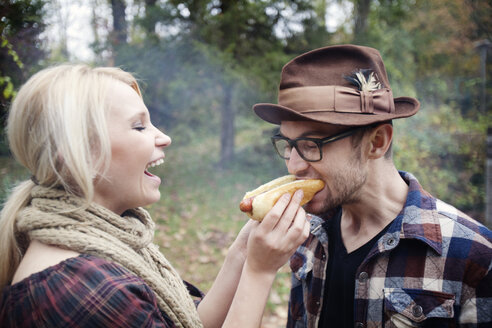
(56, 218)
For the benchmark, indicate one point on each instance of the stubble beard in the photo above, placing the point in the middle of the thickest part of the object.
(346, 184)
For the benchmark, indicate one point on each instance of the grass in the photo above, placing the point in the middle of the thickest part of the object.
(198, 216)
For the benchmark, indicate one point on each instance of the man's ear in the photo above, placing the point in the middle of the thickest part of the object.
(380, 140)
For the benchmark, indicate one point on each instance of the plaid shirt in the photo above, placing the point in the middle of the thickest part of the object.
(432, 268)
(83, 291)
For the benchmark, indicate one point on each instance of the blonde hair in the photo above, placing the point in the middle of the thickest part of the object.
(57, 129)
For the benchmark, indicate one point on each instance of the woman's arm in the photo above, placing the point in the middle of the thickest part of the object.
(247, 283)
(215, 305)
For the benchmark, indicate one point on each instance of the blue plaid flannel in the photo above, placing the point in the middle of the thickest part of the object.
(432, 268)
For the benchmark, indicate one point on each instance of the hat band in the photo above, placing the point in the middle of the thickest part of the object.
(332, 98)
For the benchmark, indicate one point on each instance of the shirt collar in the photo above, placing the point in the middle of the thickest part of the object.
(419, 218)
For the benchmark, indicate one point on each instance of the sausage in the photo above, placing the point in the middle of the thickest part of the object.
(246, 204)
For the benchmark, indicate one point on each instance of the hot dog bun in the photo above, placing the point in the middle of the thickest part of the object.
(257, 203)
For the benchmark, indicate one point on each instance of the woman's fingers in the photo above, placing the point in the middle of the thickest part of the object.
(290, 212)
(285, 224)
(298, 230)
(272, 218)
(283, 214)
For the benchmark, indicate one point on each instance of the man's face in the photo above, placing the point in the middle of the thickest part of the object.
(341, 168)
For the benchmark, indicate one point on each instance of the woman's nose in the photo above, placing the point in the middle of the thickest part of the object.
(162, 139)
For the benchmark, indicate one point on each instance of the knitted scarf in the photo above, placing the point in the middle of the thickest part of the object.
(57, 218)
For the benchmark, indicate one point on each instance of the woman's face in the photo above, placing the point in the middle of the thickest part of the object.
(136, 145)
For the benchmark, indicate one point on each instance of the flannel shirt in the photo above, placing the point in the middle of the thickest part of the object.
(84, 291)
(432, 268)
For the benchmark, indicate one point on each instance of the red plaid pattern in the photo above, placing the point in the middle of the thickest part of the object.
(84, 291)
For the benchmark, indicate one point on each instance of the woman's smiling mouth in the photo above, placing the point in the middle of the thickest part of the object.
(153, 164)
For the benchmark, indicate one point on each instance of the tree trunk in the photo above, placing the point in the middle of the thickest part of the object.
(488, 182)
(63, 20)
(119, 22)
(321, 12)
(227, 128)
(150, 18)
(361, 13)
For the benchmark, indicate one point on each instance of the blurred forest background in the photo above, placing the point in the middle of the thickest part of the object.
(204, 63)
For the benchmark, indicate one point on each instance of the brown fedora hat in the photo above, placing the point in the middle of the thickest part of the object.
(343, 84)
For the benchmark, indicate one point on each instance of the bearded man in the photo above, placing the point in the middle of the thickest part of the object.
(382, 251)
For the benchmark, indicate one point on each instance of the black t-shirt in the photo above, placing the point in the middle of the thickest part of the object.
(338, 299)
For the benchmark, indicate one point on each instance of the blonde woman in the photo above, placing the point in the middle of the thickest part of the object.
(75, 244)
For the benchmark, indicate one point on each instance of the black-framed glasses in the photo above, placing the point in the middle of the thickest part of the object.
(310, 149)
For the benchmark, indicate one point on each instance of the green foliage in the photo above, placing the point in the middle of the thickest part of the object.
(8, 87)
(20, 50)
(447, 156)
(5, 81)
(8, 91)
(21, 24)
(427, 47)
(10, 51)
(199, 59)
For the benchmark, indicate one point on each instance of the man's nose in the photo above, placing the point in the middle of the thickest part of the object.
(296, 163)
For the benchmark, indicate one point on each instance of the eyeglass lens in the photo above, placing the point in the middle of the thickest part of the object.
(307, 149)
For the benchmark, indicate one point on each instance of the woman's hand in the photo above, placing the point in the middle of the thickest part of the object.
(239, 249)
(274, 240)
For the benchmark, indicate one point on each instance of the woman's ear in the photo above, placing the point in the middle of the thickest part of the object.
(380, 140)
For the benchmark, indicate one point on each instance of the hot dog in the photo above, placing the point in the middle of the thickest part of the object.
(257, 203)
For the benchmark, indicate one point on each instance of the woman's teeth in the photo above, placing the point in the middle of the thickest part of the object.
(155, 163)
